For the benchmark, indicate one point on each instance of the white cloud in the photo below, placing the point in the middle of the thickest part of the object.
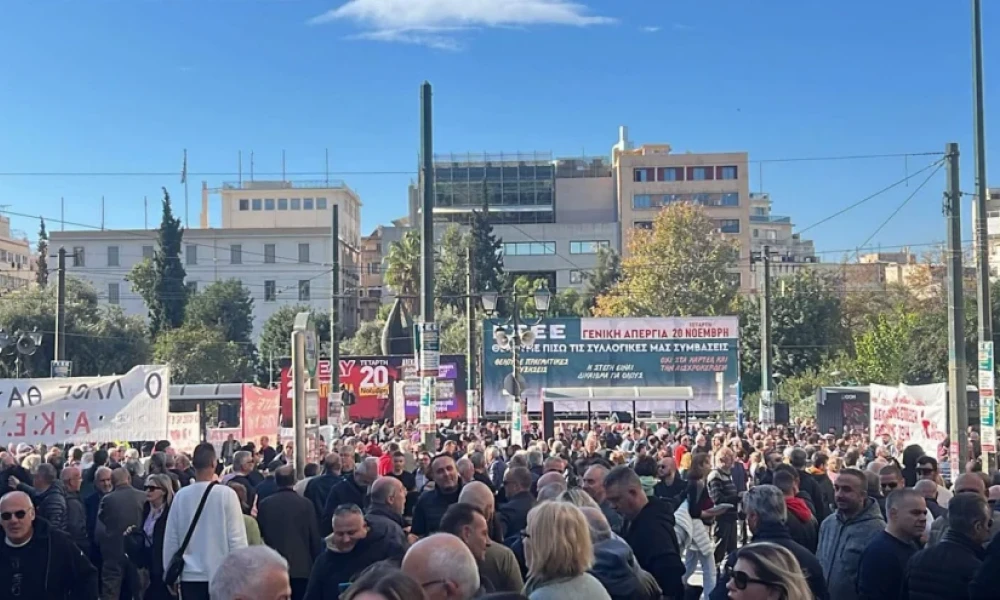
(649, 29)
(434, 22)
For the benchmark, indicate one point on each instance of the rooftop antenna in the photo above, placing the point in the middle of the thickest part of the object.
(239, 172)
(62, 213)
(251, 165)
(102, 213)
(283, 178)
(326, 168)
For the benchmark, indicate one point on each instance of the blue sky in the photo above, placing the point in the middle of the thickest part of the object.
(104, 89)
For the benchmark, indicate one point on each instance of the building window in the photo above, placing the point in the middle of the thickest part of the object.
(79, 257)
(701, 173)
(320, 203)
(244, 204)
(282, 203)
(374, 268)
(576, 277)
(192, 287)
(303, 290)
(731, 199)
(304, 253)
(642, 224)
(588, 247)
(296, 203)
(728, 172)
(269, 204)
(640, 201)
(756, 233)
(529, 248)
(269, 254)
(113, 256)
(771, 234)
(257, 204)
(191, 254)
(147, 252)
(114, 293)
(236, 254)
(644, 175)
(729, 225)
(670, 174)
(307, 204)
(270, 290)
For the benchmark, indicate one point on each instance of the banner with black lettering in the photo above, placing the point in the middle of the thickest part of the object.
(130, 407)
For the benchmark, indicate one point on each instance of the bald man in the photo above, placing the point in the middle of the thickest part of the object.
(444, 567)
(45, 561)
(501, 566)
(385, 513)
(593, 484)
(552, 477)
(967, 483)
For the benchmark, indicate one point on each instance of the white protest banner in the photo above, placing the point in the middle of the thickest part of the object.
(130, 407)
(916, 414)
(182, 431)
(218, 436)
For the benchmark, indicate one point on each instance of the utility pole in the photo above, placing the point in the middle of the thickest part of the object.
(958, 406)
(470, 338)
(335, 321)
(60, 353)
(429, 380)
(766, 377)
(986, 400)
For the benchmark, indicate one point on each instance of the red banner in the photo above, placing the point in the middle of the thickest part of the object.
(260, 413)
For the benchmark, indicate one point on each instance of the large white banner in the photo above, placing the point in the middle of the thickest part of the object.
(916, 414)
(129, 407)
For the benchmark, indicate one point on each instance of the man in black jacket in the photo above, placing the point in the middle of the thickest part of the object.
(38, 562)
(318, 488)
(649, 530)
(946, 569)
(808, 484)
(352, 490)
(385, 513)
(288, 524)
(884, 560)
(76, 513)
(514, 512)
(432, 504)
(766, 514)
(242, 468)
(352, 548)
(48, 496)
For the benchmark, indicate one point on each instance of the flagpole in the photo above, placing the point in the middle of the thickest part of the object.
(184, 180)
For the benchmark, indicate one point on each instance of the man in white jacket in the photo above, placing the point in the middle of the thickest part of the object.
(220, 528)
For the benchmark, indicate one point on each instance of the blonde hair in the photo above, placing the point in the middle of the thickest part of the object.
(578, 498)
(778, 567)
(558, 543)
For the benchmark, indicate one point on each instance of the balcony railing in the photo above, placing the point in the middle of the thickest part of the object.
(770, 219)
(321, 184)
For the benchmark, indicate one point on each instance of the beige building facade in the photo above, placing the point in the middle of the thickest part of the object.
(650, 177)
(17, 264)
(371, 264)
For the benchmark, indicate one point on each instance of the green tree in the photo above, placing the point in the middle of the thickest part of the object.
(100, 340)
(566, 303)
(402, 271)
(42, 258)
(487, 254)
(680, 267)
(806, 327)
(366, 341)
(451, 268)
(604, 276)
(882, 352)
(276, 338)
(226, 306)
(160, 282)
(199, 354)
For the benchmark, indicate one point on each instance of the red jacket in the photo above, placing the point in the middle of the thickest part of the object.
(384, 465)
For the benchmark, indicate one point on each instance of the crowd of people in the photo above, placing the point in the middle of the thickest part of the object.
(597, 512)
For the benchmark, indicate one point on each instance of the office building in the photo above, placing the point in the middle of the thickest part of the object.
(652, 176)
(789, 252)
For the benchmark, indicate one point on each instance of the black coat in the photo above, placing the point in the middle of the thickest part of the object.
(49, 505)
(430, 508)
(945, 570)
(14, 471)
(514, 512)
(777, 533)
(809, 486)
(76, 521)
(654, 541)
(69, 575)
(288, 524)
(387, 521)
(318, 489)
(333, 569)
(986, 581)
(346, 492)
(805, 533)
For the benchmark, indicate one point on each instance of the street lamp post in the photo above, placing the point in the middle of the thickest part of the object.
(509, 337)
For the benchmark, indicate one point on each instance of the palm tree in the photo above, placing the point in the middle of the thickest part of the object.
(402, 271)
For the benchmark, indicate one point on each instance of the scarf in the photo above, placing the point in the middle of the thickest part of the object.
(799, 508)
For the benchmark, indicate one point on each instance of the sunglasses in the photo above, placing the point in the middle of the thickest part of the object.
(741, 580)
(151, 488)
(19, 514)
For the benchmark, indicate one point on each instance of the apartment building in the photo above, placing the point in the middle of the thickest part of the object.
(992, 230)
(370, 286)
(789, 252)
(651, 176)
(279, 266)
(17, 262)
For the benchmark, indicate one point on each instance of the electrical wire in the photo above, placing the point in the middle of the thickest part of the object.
(902, 204)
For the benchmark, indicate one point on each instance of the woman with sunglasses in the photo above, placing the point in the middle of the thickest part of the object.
(766, 571)
(159, 495)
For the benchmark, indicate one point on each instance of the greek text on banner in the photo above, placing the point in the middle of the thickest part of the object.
(132, 407)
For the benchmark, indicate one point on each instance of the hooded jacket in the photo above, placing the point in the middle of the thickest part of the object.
(617, 570)
(653, 539)
(68, 573)
(841, 542)
(334, 568)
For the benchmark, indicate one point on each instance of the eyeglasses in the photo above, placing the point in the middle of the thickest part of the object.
(153, 488)
(890, 486)
(19, 514)
(741, 580)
